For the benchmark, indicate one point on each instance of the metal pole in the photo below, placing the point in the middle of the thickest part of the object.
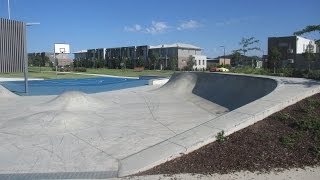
(224, 55)
(9, 13)
(25, 61)
(54, 58)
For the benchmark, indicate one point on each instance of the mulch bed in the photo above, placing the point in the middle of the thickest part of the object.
(287, 139)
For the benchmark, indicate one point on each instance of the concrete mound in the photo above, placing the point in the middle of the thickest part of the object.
(5, 93)
(180, 84)
(75, 101)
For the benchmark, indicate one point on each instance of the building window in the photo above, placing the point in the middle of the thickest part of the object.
(202, 62)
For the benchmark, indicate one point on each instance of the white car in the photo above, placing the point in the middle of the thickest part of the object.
(223, 69)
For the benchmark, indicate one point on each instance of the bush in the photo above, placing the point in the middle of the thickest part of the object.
(221, 137)
(80, 69)
(314, 74)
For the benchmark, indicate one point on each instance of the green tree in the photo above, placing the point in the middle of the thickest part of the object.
(309, 29)
(309, 55)
(274, 56)
(248, 44)
(173, 63)
(190, 63)
(155, 58)
(37, 60)
(236, 56)
(45, 59)
(140, 62)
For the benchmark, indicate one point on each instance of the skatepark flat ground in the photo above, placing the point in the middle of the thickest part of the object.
(118, 133)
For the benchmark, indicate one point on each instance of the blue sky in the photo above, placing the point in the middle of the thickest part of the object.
(206, 23)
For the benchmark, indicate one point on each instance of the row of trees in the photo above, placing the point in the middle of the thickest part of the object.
(38, 60)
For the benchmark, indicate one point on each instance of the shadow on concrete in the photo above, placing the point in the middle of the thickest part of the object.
(305, 82)
(227, 90)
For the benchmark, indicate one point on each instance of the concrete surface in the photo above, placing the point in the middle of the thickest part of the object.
(158, 81)
(118, 133)
(309, 173)
(18, 79)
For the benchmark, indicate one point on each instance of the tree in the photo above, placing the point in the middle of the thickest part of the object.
(248, 44)
(274, 57)
(45, 59)
(37, 60)
(154, 57)
(190, 63)
(236, 56)
(140, 62)
(309, 55)
(173, 63)
(309, 29)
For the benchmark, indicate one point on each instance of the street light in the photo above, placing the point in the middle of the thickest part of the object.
(9, 13)
(224, 55)
(26, 58)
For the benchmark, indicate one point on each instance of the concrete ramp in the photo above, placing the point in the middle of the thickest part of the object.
(232, 91)
(118, 133)
(224, 92)
(5, 93)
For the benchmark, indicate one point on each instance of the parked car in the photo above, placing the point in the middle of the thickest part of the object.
(214, 69)
(222, 69)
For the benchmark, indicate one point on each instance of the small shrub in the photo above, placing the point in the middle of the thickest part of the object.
(221, 137)
(314, 103)
(308, 109)
(313, 74)
(290, 140)
(80, 69)
(283, 117)
(308, 124)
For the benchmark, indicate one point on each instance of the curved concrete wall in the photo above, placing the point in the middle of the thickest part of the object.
(228, 90)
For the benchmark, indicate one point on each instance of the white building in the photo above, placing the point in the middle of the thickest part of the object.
(80, 54)
(200, 62)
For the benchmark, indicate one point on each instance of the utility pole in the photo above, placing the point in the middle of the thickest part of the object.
(224, 55)
(9, 13)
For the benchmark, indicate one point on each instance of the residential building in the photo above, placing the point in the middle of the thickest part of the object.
(80, 54)
(218, 61)
(200, 62)
(291, 49)
(178, 51)
(133, 56)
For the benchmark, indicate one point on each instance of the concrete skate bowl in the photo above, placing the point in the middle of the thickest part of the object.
(227, 90)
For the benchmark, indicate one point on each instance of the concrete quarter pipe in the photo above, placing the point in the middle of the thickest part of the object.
(118, 133)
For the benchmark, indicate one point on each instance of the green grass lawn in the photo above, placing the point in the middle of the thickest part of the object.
(129, 72)
(47, 73)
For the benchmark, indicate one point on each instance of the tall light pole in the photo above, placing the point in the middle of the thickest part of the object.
(26, 59)
(9, 9)
(224, 55)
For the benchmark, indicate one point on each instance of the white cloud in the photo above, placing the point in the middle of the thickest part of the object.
(232, 21)
(157, 27)
(135, 28)
(191, 24)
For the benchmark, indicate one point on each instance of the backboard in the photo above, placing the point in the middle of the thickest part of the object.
(62, 48)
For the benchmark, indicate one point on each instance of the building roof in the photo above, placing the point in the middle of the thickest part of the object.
(178, 45)
(279, 37)
(82, 51)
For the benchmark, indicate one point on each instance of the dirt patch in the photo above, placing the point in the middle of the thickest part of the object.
(287, 139)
